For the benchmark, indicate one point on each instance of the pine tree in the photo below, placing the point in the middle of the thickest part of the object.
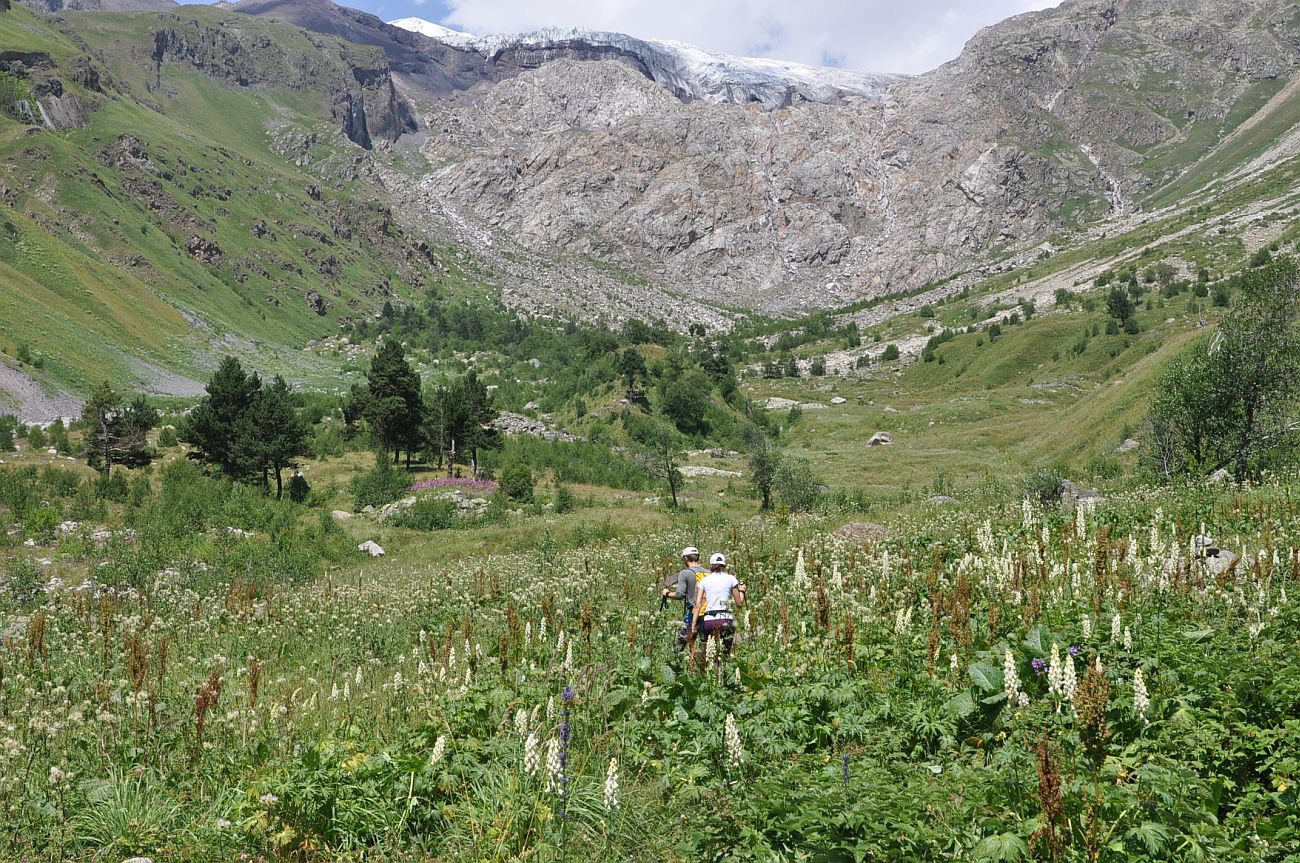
(281, 432)
(117, 434)
(478, 432)
(395, 409)
(220, 428)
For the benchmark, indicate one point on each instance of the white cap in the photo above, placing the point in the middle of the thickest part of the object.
(718, 558)
(690, 551)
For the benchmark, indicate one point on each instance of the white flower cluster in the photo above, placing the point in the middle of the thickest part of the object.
(1141, 701)
(611, 786)
(731, 735)
(1010, 678)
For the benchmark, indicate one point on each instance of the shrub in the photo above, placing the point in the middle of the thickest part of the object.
(36, 437)
(383, 484)
(890, 353)
(112, 486)
(564, 500)
(167, 437)
(299, 488)
(1043, 485)
(818, 367)
(23, 581)
(517, 482)
(796, 485)
(430, 513)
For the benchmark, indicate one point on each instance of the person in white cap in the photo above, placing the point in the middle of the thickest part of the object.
(717, 594)
(686, 581)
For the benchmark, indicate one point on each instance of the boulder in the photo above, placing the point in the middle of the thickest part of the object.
(880, 439)
(1127, 446)
(1221, 476)
(943, 500)
(862, 531)
(1220, 562)
(317, 303)
(371, 548)
(340, 515)
(838, 400)
(1073, 494)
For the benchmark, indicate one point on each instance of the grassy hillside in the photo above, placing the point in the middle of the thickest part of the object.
(108, 226)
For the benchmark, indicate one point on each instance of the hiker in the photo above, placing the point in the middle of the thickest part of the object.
(716, 595)
(686, 580)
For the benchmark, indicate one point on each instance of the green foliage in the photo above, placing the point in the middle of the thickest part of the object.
(516, 482)
(564, 501)
(8, 426)
(167, 437)
(382, 484)
(299, 488)
(796, 485)
(430, 513)
(117, 433)
(1230, 403)
(585, 462)
(22, 582)
(1042, 485)
(394, 408)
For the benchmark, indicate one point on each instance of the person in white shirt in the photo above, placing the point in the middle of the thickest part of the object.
(717, 595)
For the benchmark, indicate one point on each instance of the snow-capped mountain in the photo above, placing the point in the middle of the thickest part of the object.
(688, 71)
(455, 38)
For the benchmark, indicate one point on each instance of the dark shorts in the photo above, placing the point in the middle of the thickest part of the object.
(723, 628)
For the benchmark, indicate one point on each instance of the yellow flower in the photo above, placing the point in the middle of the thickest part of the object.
(355, 761)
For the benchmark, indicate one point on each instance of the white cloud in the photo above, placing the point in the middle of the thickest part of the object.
(869, 35)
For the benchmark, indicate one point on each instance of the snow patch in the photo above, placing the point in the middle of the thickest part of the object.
(686, 70)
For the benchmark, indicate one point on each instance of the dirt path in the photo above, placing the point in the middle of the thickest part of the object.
(21, 395)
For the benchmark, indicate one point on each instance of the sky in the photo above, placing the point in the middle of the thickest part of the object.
(907, 36)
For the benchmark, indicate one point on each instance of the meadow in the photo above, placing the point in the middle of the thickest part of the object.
(215, 676)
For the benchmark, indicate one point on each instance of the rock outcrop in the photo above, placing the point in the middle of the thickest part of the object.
(355, 80)
(1047, 121)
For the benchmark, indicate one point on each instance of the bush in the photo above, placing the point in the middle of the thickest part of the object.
(431, 513)
(167, 437)
(796, 485)
(564, 500)
(1043, 485)
(299, 488)
(383, 484)
(112, 486)
(23, 581)
(818, 367)
(890, 353)
(36, 437)
(516, 483)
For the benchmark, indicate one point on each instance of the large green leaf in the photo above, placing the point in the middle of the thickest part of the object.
(986, 676)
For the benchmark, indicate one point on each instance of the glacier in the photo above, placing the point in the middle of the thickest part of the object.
(689, 72)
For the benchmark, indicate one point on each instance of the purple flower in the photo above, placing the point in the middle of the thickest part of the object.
(1075, 650)
(1040, 666)
(483, 486)
(567, 695)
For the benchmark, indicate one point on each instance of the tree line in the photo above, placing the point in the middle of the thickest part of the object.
(447, 424)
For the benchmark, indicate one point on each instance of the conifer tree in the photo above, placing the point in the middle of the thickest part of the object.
(394, 410)
(281, 432)
(220, 428)
(117, 433)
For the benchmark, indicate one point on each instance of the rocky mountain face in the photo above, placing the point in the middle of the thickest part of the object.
(687, 72)
(1046, 122)
(358, 83)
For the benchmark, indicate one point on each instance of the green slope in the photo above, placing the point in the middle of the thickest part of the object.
(97, 266)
